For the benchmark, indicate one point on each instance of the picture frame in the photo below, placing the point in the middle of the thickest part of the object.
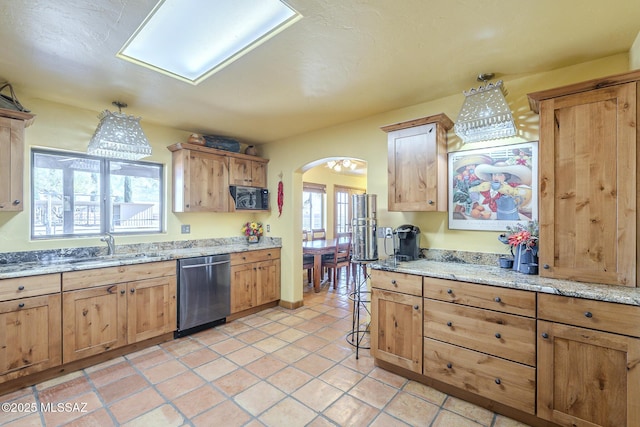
(494, 187)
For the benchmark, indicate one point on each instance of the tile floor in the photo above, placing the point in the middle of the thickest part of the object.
(276, 368)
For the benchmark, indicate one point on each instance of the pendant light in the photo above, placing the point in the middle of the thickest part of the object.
(485, 113)
(119, 136)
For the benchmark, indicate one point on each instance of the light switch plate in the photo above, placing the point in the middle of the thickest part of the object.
(186, 229)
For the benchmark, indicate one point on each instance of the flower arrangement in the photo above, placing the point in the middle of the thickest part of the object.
(252, 229)
(521, 235)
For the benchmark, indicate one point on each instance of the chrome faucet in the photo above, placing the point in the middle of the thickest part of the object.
(111, 243)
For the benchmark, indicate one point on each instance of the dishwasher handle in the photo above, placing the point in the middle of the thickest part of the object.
(205, 264)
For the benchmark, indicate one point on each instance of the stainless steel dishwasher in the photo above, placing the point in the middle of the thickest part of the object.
(204, 292)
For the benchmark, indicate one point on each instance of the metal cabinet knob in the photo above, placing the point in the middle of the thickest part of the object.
(430, 202)
(449, 324)
(497, 299)
(545, 335)
(21, 288)
(415, 307)
(122, 292)
(16, 202)
(449, 291)
(588, 314)
(498, 335)
(21, 305)
(449, 365)
(498, 381)
(546, 266)
(133, 290)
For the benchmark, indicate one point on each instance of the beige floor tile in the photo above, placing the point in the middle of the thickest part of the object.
(311, 342)
(425, 392)
(317, 394)
(411, 409)
(252, 336)
(314, 364)
(227, 346)
(179, 385)
(111, 373)
(198, 400)
(321, 421)
(199, 357)
(164, 371)
(259, 397)
(165, 416)
(216, 369)
(289, 379)
(450, 419)
(99, 418)
(291, 321)
(59, 380)
(150, 359)
(337, 351)
(210, 336)
(116, 390)
(274, 327)
(136, 404)
(78, 406)
(308, 314)
(265, 366)
(288, 412)
(271, 344)
(331, 334)
(25, 420)
(235, 328)
(290, 354)
(349, 411)
(226, 414)
(245, 355)
(28, 400)
(502, 421)
(374, 392)
(341, 377)
(276, 315)
(236, 382)
(389, 378)
(309, 326)
(468, 410)
(290, 335)
(181, 346)
(256, 320)
(386, 420)
(64, 391)
(364, 364)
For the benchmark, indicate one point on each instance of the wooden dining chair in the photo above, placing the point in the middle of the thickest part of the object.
(307, 264)
(340, 258)
(318, 234)
(305, 235)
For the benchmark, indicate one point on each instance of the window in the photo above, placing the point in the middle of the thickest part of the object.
(79, 195)
(343, 208)
(313, 200)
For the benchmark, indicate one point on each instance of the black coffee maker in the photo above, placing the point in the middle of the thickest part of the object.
(408, 242)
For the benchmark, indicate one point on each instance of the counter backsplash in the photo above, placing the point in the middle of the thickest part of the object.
(93, 251)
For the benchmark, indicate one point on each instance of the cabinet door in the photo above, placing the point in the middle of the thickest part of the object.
(243, 287)
(587, 377)
(151, 308)
(268, 281)
(258, 174)
(30, 335)
(200, 182)
(240, 172)
(396, 329)
(11, 164)
(94, 321)
(588, 186)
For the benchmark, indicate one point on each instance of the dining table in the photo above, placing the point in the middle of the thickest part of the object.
(317, 248)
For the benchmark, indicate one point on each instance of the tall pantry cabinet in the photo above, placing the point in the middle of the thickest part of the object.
(589, 180)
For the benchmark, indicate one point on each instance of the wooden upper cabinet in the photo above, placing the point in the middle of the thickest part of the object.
(11, 163)
(588, 181)
(417, 160)
(251, 173)
(200, 182)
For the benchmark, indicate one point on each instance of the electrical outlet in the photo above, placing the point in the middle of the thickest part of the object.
(186, 229)
(268, 228)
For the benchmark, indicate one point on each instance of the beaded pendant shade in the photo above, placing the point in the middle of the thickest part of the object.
(119, 136)
(485, 113)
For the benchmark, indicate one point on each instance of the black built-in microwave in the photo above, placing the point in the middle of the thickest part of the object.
(249, 198)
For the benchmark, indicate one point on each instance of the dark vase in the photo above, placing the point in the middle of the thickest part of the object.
(523, 257)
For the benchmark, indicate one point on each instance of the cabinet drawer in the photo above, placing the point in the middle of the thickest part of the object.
(506, 382)
(30, 286)
(255, 256)
(397, 282)
(82, 279)
(500, 334)
(512, 301)
(605, 316)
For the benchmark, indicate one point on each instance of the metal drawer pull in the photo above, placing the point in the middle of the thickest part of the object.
(588, 314)
(497, 299)
(415, 307)
(498, 335)
(498, 381)
(545, 335)
(449, 365)
(546, 266)
(21, 305)
(21, 288)
(449, 324)
(394, 283)
(449, 291)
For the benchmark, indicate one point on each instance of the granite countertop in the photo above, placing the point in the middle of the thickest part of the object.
(507, 278)
(127, 257)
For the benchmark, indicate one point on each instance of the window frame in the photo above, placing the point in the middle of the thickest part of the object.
(350, 191)
(309, 187)
(106, 214)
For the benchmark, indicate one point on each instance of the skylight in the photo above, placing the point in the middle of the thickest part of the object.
(192, 39)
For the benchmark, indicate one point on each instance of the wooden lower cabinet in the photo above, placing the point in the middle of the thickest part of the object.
(396, 319)
(507, 382)
(98, 317)
(30, 335)
(255, 279)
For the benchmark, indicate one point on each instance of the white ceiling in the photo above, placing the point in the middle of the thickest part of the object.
(346, 59)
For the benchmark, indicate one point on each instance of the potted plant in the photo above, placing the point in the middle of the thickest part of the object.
(523, 243)
(253, 231)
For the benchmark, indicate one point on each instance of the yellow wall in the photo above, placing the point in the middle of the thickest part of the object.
(65, 127)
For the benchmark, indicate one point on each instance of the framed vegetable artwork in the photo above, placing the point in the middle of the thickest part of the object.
(492, 188)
